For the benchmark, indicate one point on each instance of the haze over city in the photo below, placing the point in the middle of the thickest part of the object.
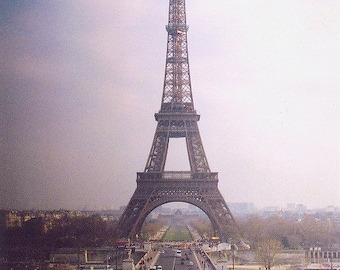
(81, 81)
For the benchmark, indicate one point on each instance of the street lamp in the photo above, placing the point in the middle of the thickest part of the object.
(331, 256)
(233, 248)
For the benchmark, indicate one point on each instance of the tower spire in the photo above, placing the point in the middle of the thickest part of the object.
(177, 95)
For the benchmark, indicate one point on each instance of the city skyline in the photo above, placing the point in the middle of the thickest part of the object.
(82, 80)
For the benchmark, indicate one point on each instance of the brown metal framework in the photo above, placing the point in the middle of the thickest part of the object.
(177, 118)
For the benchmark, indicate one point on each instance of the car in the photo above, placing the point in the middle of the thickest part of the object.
(159, 267)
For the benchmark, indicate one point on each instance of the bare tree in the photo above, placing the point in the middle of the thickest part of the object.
(267, 251)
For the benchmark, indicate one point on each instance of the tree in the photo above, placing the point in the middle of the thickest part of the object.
(33, 231)
(253, 229)
(203, 226)
(151, 227)
(267, 251)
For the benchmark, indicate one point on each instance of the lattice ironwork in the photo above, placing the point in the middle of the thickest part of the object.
(199, 189)
(177, 118)
(177, 95)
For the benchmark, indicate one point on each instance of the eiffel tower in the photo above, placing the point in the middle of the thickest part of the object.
(177, 118)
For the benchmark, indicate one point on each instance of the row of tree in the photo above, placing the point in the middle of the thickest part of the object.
(93, 231)
(292, 234)
(33, 241)
(269, 236)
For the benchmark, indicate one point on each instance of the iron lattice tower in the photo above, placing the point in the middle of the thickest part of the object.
(177, 118)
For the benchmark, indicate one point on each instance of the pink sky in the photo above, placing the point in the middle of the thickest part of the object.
(82, 80)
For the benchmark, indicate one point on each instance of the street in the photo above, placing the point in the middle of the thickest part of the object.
(169, 260)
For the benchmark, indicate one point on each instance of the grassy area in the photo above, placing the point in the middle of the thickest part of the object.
(177, 233)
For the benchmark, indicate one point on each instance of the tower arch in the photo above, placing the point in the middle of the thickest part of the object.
(199, 189)
(151, 207)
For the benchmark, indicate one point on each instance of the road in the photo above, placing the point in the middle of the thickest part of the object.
(170, 261)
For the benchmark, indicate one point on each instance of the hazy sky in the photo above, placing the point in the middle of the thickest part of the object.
(81, 81)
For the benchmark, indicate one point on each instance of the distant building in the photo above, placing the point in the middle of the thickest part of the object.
(322, 258)
(178, 217)
(301, 208)
(291, 206)
(13, 220)
(323, 254)
(242, 208)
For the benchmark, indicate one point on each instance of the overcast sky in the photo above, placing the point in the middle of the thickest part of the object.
(81, 81)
